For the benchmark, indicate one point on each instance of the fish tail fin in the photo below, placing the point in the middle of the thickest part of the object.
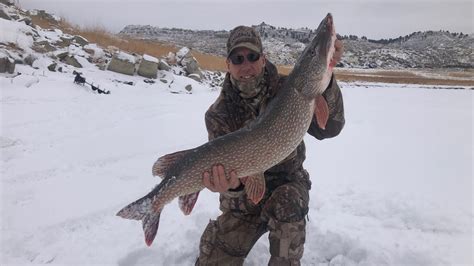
(142, 210)
(136, 210)
(150, 225)
(165, 162)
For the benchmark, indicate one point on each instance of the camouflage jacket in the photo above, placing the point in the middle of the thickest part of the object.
(231, 112)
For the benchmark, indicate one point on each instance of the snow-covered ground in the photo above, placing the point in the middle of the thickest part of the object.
(395, 188)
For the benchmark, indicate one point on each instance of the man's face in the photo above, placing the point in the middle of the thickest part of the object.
(243, 69)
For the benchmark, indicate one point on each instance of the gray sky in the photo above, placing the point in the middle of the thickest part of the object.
(374, 19)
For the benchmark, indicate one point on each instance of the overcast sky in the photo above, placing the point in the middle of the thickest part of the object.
(374, 19)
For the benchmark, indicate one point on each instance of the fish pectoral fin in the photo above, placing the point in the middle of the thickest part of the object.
(187, 202)
(161, 166)
(255, 187)
(321, 111)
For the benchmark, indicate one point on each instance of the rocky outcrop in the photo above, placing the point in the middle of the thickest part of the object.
(43, 47)
(122, 63)
(51, 49)
(64, 42)
(81, 40)
(4, 15)
(7, 64)
(72, 61)
(52, 67)
(7, 2)
(148, 67)
(428, 49)
(163, 65)
(189, 63)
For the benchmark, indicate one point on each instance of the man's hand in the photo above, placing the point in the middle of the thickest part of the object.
(338, 52)
(218, 181)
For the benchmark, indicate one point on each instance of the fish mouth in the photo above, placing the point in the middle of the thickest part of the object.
(322, 44)
(331, 39)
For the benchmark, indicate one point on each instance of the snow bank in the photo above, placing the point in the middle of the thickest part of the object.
(393, 189)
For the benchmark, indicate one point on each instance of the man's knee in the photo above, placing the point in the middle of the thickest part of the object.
(228, 240)
(286, 242)
(212, 250)
(288, 203)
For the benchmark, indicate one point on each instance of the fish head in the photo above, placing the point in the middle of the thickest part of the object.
(313, 70)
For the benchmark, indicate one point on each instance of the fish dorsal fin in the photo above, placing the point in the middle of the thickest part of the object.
(255, 187)
(165, 162)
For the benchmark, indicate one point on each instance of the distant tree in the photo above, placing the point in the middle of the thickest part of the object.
(353, 37)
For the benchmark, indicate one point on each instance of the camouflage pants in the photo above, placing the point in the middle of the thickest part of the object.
(229, 239)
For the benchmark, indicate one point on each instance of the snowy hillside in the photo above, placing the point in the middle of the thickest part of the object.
(395, 188)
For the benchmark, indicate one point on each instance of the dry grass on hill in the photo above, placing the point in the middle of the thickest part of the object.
(104, 38)
(403, 76)
(425, 77)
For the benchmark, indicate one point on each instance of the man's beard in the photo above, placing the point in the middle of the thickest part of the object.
(250, 88)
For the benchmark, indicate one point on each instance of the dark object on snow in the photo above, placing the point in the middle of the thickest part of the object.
(79, 79)
(124, 82)
(149, 81)
(99, 91)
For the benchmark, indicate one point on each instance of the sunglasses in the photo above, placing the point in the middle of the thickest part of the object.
(238, 59)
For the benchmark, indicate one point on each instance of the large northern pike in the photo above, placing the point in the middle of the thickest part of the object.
(249, 151)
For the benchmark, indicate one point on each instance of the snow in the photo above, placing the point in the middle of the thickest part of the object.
(98, 52)
(126, 57)
(42, 62)
(16, 33)
(395, 188)
(77, 50)
(150, 58)
(51, 35)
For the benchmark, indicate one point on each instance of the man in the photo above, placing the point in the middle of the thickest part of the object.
(250, 84)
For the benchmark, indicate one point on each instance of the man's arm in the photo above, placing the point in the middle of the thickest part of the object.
(335, 123)
(215, 119)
